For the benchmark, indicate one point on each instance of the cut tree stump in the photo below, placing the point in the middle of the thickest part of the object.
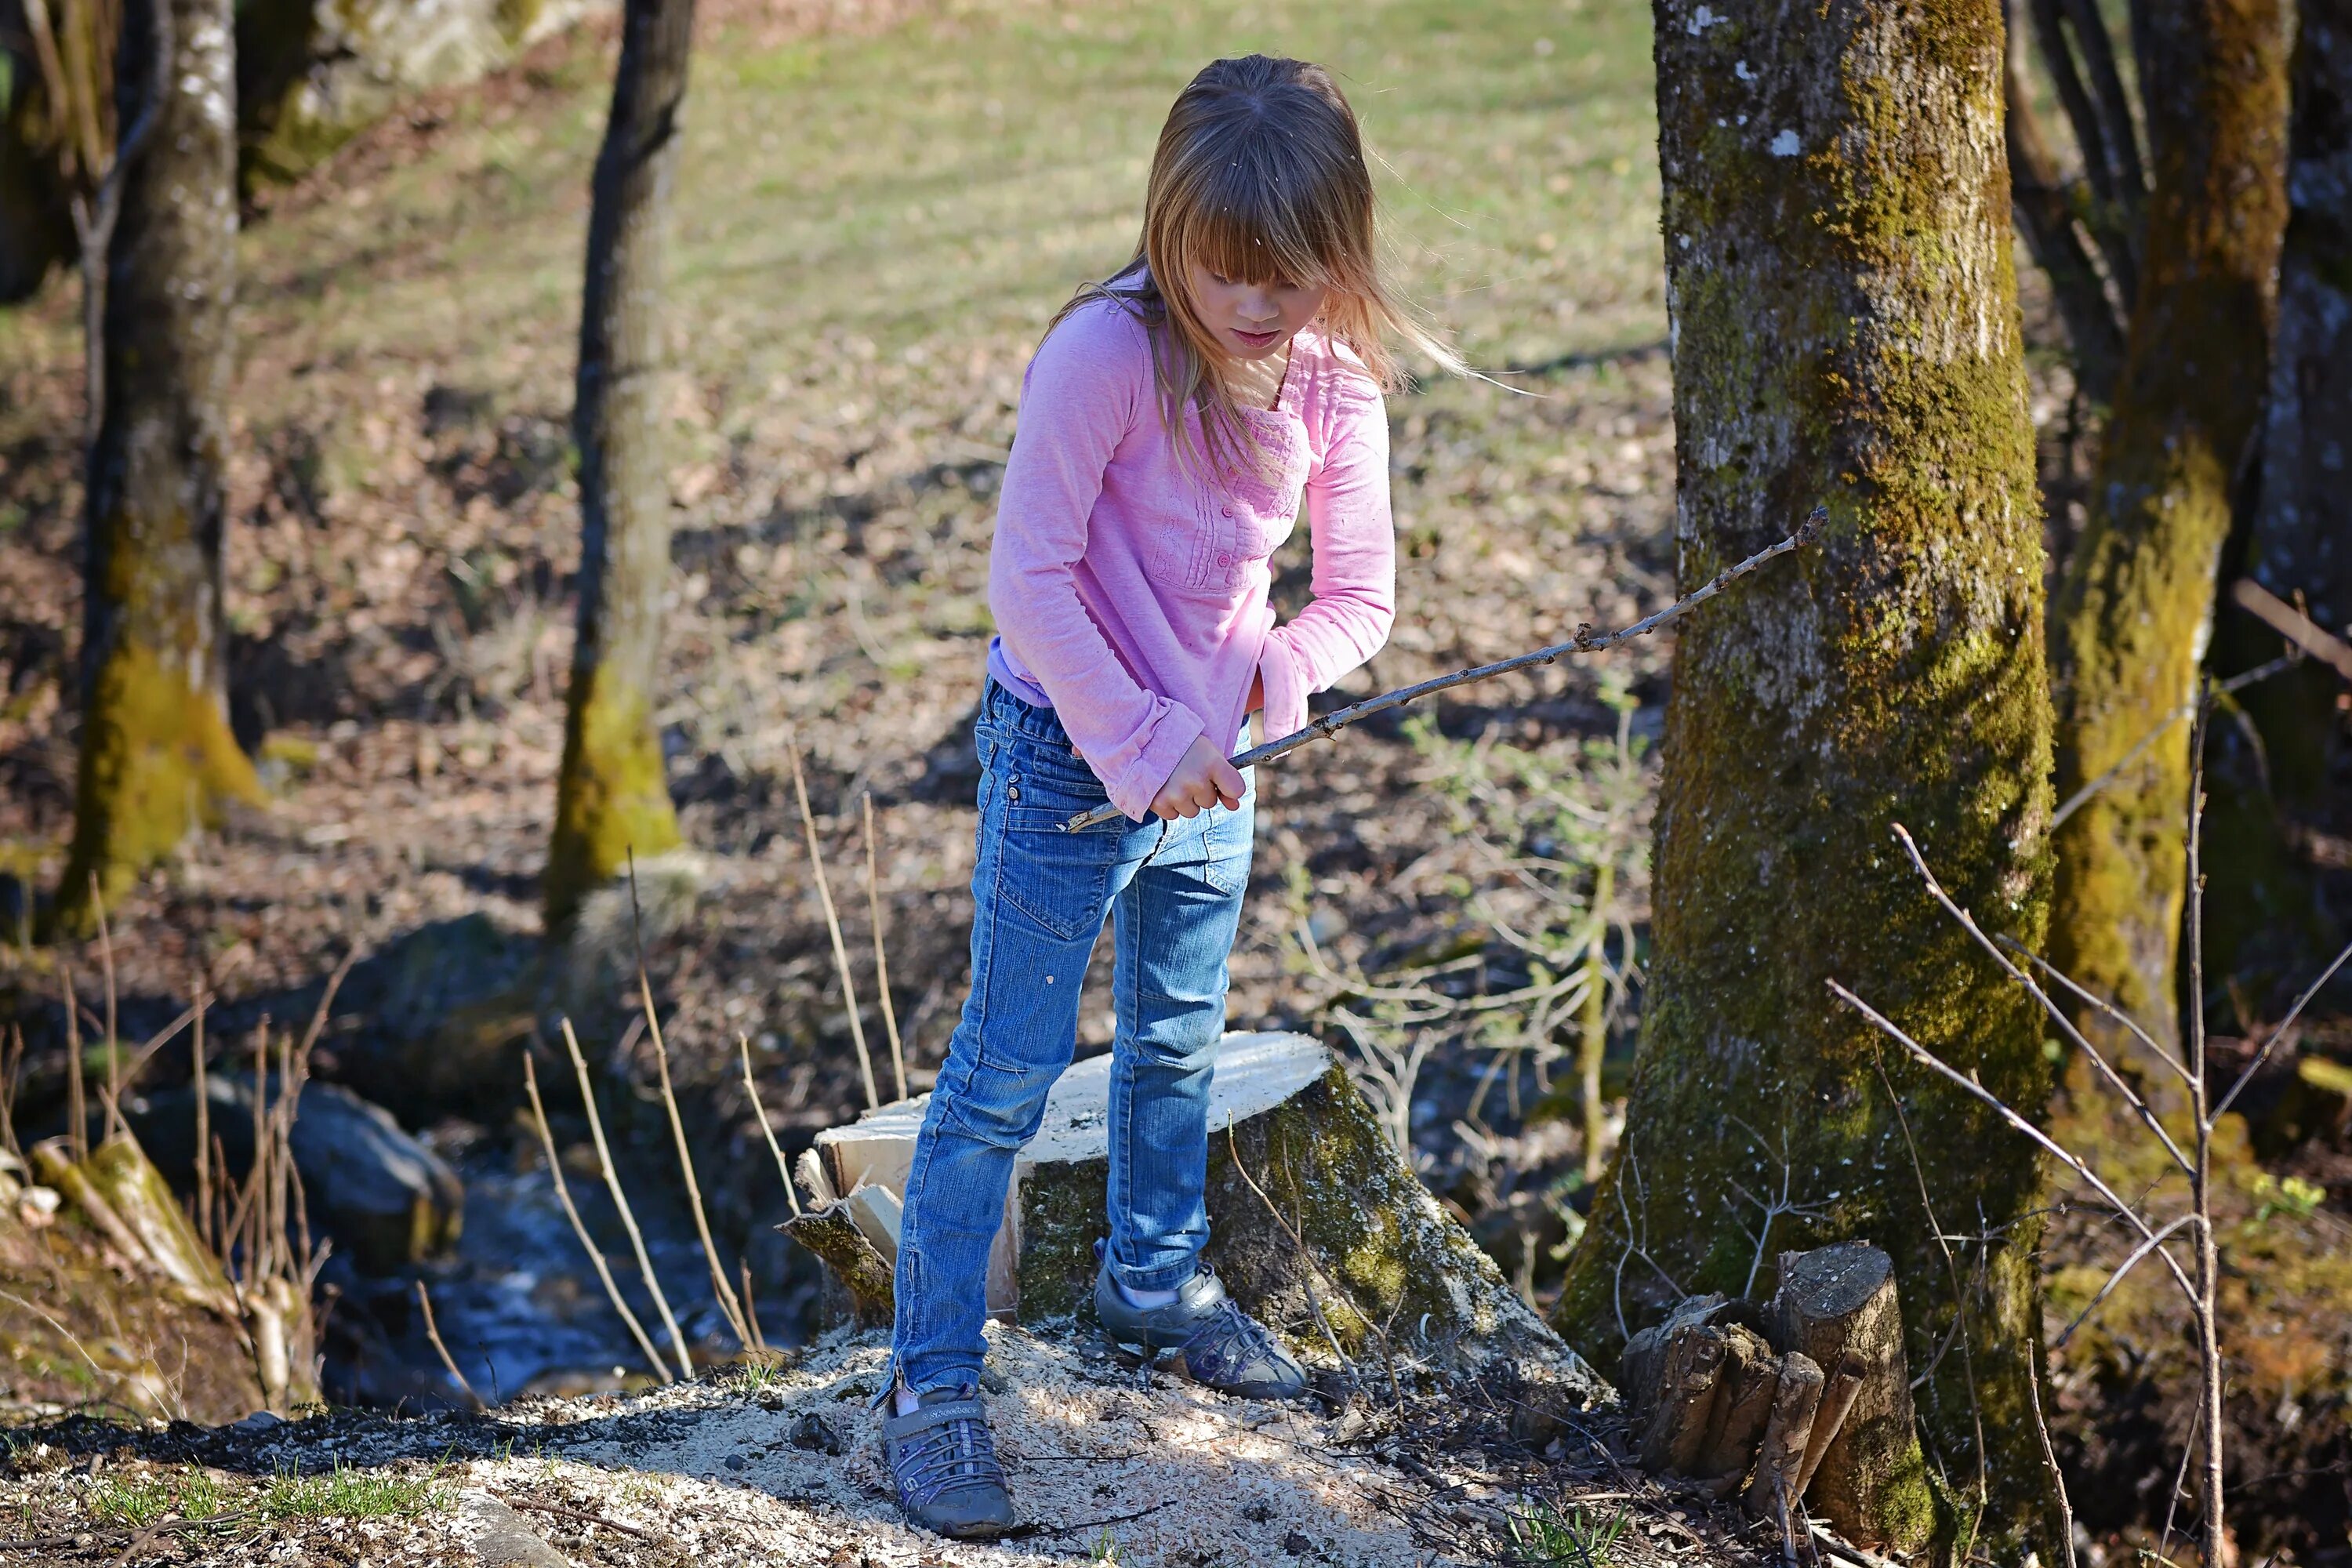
(1805, 1397)
(1316, 1225)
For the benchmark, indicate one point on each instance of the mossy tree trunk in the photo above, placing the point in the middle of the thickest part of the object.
(2130, 624)
(2266, 926)
(612, 794)
(156, 753)
(1845, 329)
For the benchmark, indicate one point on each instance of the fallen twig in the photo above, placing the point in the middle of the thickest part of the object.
(1584, 641)
(580, 1515)
(596, 1256)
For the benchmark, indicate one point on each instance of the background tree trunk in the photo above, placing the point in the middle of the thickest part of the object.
(1844, 316)
(612, 795)
(2265, 923)
(156, 753)
(2131, 619)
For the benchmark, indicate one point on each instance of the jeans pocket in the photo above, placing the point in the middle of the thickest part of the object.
(1059, 879)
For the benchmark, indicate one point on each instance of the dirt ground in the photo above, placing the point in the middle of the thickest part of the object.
(873, 231)
(1108, 1463)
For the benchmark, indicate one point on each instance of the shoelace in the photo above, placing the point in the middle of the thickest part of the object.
(1226, 1342)
(953, 1455)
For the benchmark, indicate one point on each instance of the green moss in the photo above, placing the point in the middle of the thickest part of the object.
(157, 760)
(613, 793)
(1846, 332)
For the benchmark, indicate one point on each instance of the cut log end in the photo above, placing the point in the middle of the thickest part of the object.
(1317, 1227)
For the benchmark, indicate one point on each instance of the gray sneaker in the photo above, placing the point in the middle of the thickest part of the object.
(944, 1462)
(1224, 1347)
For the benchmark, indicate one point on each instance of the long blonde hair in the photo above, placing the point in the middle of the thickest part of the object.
(1259, 177)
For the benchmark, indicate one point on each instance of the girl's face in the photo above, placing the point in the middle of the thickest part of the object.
(1251, 321)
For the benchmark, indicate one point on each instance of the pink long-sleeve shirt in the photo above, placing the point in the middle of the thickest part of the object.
(1131, 592)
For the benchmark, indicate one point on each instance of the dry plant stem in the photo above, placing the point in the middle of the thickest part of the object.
(1314, 1265)
(726, 1302)
(448, 1362)
(621, 1202)
(204, 1130)
(881, 960)
(2057, 1476)
(2075, 1036)
(113, 1048)
(833, 929)
(783, 1170)
(77, 1100)
(8, 1070)
(571, 1213)
(2276, 1034)
(2098, 1004)
(1584, 641)
(2201, 1181)
(750, 1307)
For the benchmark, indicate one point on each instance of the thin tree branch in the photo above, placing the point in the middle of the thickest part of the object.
(1991, 1101)
(833, 929)
(1967, 923)
(2280, 1033)
(2293, 625)
(2092, 999)
(596, 1256)
(1331, 724)
(2117, 1277)
(2075, 802)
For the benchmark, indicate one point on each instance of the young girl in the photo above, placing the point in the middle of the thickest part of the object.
(1170, 424)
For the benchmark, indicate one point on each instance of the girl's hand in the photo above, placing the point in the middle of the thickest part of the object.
(1203, 779)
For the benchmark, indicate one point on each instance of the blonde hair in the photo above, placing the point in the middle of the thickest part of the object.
(1259, 177)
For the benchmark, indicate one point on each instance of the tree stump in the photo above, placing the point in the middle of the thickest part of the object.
(1806, 1397)
(1316, 1225)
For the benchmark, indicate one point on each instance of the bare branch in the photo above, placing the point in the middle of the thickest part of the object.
(2116, 1278)
(2075, 802)
(621, 1200)
(1991, 1101)
(784, 1171)
(833, 929)
(2093, 1000)
(563, 1194)
(2278, 1033)
(1584, 641)
(2293, 625)
(1967, 923)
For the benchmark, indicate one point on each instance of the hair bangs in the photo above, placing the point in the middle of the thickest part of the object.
(1246, 224)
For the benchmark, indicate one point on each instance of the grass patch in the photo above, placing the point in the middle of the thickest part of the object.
(1571, 1538)
(349, 1493)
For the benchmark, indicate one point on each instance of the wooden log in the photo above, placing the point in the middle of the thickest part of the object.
(1316, 1225)
(833, 1234)
(1686, 1391)
(1796, 1396)
(1838, 1307)
(1743, 1404)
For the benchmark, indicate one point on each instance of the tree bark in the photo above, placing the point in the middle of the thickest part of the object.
(156, 753)
(613, 793)
(2266, 924)
(1845, 329)
(2045, 214)
(2130, 624)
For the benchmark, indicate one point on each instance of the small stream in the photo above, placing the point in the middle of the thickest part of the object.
(520, 1306)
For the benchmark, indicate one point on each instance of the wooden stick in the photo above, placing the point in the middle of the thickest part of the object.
(833, 926)
(433, 1332)
(783, 1171)
(751, 1307)
(621, 1201)
(596, 1256)
(1584, 641)
(881, 960)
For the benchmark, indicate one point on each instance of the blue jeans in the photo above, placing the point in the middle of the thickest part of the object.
(1173, 892)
